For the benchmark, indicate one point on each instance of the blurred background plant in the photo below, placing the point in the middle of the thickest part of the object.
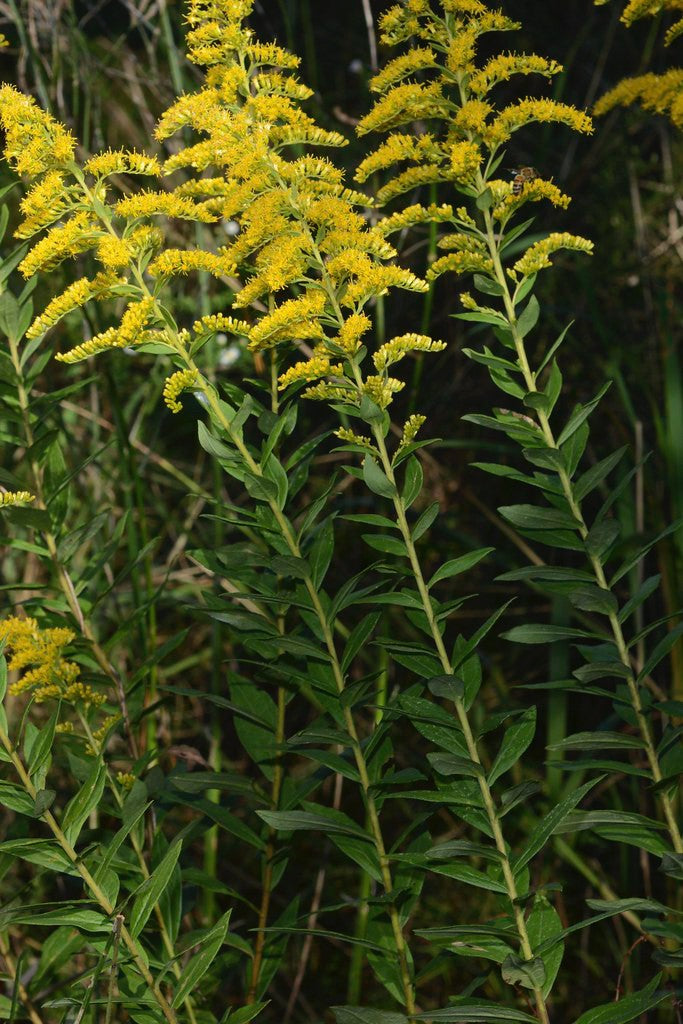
(107, 70)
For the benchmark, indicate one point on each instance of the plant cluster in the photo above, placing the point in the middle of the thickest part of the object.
(329, 671)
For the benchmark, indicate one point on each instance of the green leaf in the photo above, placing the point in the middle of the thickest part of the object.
(414, 478)
(470, 1011)
(628, 1008)
(543, 924)
(600, 740)
(547, 825)
(541, 633)
(43, 852)
(85, 801)
(458, 565)
(358, 637)
(321, 551)
(366, 1015)
(425, 520)
(388, 545)
(42, 745)
(580, 415)
(594, 476)
(197, 967)
(152, 888)
(449, 687)
(528, 318)
(452, 764)
(594, 599)
(376, 480)
(517, 738)
(527, 973)
(306, 821)
(531, 517)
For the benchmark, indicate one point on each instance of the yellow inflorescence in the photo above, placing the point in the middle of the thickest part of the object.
(396, 349)
(662, 94)
(461, 263)
(180, 261)
(418, 58)
(37, 654)
(526, 111)
(465, 160)
(73, 297)
(351, 437)
(147, 204)
(215, 322)
(310, 369)
(174, 385)
(122, 161)
(537, 256)
(70, 239)
(9, 498)
(405, 103)
(295, 318)
(531, 191)
(114, 253)
(351, 332)
(34, 141)
(415, 214)
(45, 202)
(410, 429)
(502, 67)
(382, 389)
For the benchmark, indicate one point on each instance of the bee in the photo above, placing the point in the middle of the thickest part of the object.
(522, 176)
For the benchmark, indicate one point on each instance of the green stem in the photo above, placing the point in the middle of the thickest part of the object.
(461, 712)
(142, 863)
(595, 560)
(98, 895)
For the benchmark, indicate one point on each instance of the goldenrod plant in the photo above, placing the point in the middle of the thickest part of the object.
(354, 696)
(659, 93)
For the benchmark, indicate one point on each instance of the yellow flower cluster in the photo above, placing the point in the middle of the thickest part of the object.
(382, 389)
(418, 58)
(9, 498)
(113, 252)
(407, 102)
(37, 654)
(537, 256)
(215, 322)
(466, 158)
(396, 349)
(410, 429)
(351, 332)
(174, 385)
(61, 242)
(34, 141)
(415, 214)
(149, 204)
(399, 147)
(180, 261)
(122, 161)
(427, 174)
(310, 369)
(502, 67)
(351, 437)
(293, 319)
(73, 297)
(531, 192)
(132, 329)
(662, 94)
(526, 111)
(461, 263)
(45, 202)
